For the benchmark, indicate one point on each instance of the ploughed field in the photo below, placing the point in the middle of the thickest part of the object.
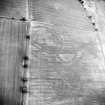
(67, 64)
(12, 49)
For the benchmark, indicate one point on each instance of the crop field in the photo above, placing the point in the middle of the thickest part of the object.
(65, 53)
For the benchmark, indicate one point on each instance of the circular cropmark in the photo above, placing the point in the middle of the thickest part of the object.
(46, 39)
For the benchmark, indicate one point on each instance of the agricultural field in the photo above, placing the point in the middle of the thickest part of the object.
(65, 49)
